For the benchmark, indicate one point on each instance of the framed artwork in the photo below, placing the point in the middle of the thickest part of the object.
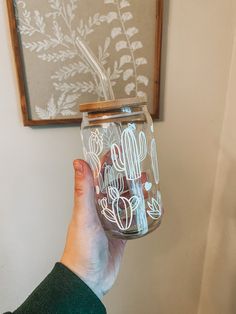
(63, 50)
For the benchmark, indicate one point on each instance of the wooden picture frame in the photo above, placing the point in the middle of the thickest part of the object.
(20, 63)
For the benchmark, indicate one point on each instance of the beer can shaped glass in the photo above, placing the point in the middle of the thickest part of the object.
(120, 147)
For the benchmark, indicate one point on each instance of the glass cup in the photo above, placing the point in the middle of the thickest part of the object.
(119, 145)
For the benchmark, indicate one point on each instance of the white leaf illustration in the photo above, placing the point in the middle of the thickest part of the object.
(121, 45)
(142, 95)
(129, 88)
(103, 54)
(58, 56)
(71, 98)
(141, 61)
(84, 87)
(68, 105)
(57, 31)
(61, 100)
(124, 60)
(107, 43)
(143, 80)
(68, 112)
(42, 113)
(111, 16)
(51, 107)
(115, 74)
(55, 4)
(39, 21)
(136, 45)
(127, 16)
(70, 71)
(109, 1)
(127, 74)
(131, 31)
(40, 45)
(116, 31)
(124, 4)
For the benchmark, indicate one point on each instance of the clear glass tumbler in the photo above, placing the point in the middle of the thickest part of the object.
(119, 145)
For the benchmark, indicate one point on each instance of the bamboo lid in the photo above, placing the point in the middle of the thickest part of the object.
(112, 104)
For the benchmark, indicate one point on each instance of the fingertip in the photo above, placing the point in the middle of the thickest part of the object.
(81, 167)
(76, 162)
(83, 185)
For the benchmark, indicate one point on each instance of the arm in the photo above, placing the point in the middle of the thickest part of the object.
(62, 292)
(89, 264)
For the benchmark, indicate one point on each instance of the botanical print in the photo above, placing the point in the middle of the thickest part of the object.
(79, 50)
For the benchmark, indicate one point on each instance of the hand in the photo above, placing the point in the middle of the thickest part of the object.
(89, 253)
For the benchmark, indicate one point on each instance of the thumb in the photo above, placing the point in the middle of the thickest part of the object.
(84, 202)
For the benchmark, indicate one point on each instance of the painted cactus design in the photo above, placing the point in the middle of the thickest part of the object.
(129, 156)
(155, 211)
(122, 209)
(154, 161)
(110, 178)
(95, 149)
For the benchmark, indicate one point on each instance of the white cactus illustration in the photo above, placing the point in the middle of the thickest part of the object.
(110, 177)
(155, 211)
(111, 135)
(129, 156)
(95, 149)
(106, 211)
(152, 128)
(155, 167)
(122, 209)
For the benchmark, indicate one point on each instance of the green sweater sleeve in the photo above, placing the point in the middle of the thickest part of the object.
(62, 292)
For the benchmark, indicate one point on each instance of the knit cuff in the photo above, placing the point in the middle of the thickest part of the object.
(62, 292)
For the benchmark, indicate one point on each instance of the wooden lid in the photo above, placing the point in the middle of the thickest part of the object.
(112, 104)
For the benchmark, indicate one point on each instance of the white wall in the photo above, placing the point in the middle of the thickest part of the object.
(218, 285)
(161, 274)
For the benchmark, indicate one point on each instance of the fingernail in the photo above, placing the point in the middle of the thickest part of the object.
(80, 168)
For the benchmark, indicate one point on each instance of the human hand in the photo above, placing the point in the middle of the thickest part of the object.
(88, 252)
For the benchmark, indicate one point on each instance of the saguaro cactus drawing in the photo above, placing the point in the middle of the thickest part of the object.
(95, 149)
(129, 156)
(122, 209)
(154, 161)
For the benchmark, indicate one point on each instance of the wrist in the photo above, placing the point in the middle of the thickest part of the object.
(94, 286)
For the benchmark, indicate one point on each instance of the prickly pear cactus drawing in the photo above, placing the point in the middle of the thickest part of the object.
(128, 156)
(77, 44)
(122, 209)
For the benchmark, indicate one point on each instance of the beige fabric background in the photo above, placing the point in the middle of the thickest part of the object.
(170, 271)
